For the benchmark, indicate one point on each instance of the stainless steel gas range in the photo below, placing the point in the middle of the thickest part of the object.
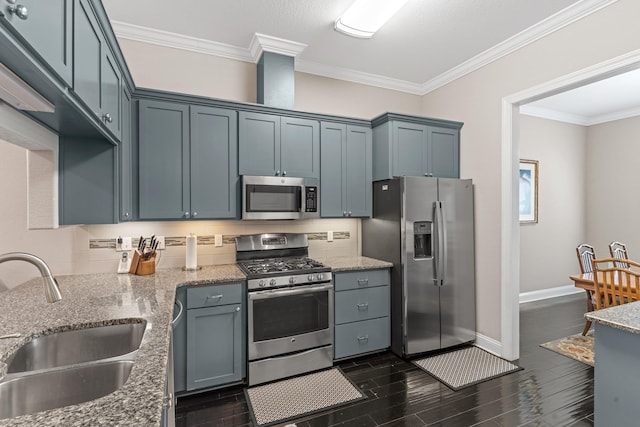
(290, 306)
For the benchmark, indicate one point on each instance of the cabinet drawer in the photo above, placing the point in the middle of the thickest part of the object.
(209, 296)
(361, 279)
(361, 304)
(361, 337)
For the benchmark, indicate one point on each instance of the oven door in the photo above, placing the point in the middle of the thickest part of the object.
(272, 197)
(290, 320)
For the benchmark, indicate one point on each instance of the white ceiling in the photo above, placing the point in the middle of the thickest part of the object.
(427, 44)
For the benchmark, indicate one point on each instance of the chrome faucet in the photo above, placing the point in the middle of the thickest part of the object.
(51, 289)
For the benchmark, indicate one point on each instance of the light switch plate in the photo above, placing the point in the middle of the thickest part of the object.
(329, 236)
(160, 240)
(217, 240)
(123, 244)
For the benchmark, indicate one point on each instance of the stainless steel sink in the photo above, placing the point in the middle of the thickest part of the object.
(27, 394)
(77, 346)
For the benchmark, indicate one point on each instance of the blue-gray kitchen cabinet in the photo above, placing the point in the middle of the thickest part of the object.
(415, 146)
(126, 166)
(216, 352)
(179, 325)
(96, 75)
(274, 145)
(187, 161)
(47, 27)
(362, 307)
(345, 175)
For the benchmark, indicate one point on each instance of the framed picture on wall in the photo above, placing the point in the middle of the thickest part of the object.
(528, 178)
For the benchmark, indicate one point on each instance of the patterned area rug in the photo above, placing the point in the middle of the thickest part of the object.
(577, 347)
(289, 399)
(465, 367)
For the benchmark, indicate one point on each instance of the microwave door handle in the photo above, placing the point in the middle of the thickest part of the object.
(275, 293)
(303, 199)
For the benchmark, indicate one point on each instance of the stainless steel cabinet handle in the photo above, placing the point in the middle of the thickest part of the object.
(364, 306)
(179, 304)
(218, 297)
(364, 338)
(107, 118)
(362, 282)
(19, 10)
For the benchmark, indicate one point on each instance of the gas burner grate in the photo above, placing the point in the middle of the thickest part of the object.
(265, 266)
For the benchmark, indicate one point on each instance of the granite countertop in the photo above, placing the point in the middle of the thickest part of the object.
(101, 299)
(625, 317)
(354, 263)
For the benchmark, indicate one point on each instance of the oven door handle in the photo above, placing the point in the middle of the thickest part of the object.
(275, 293)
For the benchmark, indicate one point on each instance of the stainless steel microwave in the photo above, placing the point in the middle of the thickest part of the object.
(279, 197)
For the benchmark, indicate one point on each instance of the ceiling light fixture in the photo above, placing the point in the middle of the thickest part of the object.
(365, 17)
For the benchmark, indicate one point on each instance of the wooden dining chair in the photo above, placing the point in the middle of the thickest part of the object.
(619, 251)
(615, 285)
(586, 254)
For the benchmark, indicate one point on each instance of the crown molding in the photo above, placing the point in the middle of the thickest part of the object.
(543, 28)
(261, 42)
(360, 77)
(577, 119)
(179, 41)
(559, 116)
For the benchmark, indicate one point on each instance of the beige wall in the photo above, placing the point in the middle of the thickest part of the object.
(547, 248)
(475, 99)
(613, 185)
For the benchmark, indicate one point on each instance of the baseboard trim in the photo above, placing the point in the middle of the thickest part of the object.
(542, 294)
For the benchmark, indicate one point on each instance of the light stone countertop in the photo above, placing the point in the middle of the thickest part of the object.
(354, 263)
(100, 299)
(625, 317)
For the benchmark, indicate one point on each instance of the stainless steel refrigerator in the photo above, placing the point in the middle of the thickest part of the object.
(425, 227)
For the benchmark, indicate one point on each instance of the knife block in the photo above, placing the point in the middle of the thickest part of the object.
(140, 266)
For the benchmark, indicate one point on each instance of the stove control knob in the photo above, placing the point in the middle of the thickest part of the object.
(292, 279)
(320, 276)
(310, 278)
(272, 282)
(261, 283)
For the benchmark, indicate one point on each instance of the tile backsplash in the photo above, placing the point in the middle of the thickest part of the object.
(94, 246)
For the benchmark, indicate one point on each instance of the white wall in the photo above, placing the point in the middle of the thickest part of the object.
(476, 98)
(547, 248)
(613, 186)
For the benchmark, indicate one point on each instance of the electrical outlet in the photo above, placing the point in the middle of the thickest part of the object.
(329, 236)
(123, 244)
(160, 240)
(217, 241)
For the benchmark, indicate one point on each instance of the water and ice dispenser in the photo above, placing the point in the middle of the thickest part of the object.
(422, 243)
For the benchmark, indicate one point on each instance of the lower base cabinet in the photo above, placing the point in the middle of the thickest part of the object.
(213, 348)
(362, 323)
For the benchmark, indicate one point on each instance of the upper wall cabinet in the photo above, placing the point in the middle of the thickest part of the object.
(47, 27)
(96, 77)
(415, 146)
(345, 176)
(278, 146)
(187, 161)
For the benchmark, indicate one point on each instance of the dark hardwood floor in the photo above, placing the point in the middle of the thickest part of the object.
(551, 391)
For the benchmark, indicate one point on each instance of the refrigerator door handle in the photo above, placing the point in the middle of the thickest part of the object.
(441, 242)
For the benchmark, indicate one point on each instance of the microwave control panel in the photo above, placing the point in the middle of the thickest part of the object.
(311, 197)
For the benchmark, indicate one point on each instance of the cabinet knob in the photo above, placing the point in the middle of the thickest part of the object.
(237, 309)
(284, 173)
(19, 10)
(107, 118)
(186, 214)
(126, 214)
(195, 214)
(277, 173)
(350, 213)
(344, 213)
